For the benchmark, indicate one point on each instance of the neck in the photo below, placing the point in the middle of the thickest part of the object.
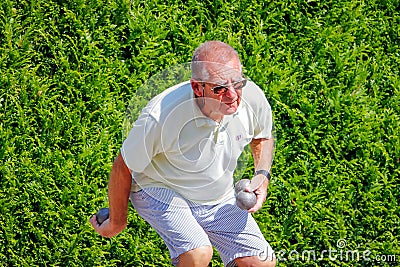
(216, 116)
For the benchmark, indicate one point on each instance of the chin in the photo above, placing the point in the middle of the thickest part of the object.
(229, 110)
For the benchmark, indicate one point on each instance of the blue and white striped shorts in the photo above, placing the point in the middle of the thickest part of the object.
(185, 225)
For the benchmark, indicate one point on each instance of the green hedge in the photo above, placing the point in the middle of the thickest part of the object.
(329, 68)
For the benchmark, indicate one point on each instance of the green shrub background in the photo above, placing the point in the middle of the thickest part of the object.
(68, 69)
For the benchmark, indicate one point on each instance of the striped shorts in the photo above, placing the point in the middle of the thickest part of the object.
(185, 225)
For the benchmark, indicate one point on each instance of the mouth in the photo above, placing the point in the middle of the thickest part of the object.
(232, 106)
(230, 103)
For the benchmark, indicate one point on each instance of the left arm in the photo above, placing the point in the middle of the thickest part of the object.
(262, 150)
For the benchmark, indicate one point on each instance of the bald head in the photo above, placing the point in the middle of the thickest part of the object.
(214, 51)
(212, 55)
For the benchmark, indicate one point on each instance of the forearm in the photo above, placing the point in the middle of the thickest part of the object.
(262, 150)
(119, 187)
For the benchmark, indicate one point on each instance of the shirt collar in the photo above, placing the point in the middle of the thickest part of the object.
(199, 118)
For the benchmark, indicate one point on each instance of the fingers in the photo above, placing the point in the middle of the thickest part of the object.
(261, 197)
(93, 221)
(257, 182)
(106, 229)
(257, 206)
(96, 225)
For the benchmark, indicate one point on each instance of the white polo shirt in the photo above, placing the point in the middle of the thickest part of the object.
(173, 145)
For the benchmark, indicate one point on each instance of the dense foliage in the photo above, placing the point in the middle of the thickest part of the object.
(329, 68)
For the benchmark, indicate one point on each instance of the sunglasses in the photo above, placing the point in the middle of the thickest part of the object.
(222, 89)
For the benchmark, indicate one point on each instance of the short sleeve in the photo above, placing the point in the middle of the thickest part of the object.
(263, 120)
(261, 111)
(142, 143)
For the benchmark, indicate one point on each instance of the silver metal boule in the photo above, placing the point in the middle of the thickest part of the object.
(102, 215)
(241, 185)
(245, 200)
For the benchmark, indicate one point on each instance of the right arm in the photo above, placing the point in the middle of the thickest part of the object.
(142, 140)
(119, 188)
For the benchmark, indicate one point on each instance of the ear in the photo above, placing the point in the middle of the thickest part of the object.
(197, 87)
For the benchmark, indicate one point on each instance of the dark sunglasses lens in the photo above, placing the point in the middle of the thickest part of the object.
(219, 90)
(238, 85)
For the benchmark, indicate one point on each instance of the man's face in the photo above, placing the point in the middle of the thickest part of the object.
(223, 91)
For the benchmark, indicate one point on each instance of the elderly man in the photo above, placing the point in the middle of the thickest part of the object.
(176, 166)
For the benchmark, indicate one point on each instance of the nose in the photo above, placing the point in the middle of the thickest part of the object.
(231, 92)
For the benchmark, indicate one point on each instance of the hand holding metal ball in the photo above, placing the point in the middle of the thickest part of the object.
(102, 215)
(244, 200)
(241, 185)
